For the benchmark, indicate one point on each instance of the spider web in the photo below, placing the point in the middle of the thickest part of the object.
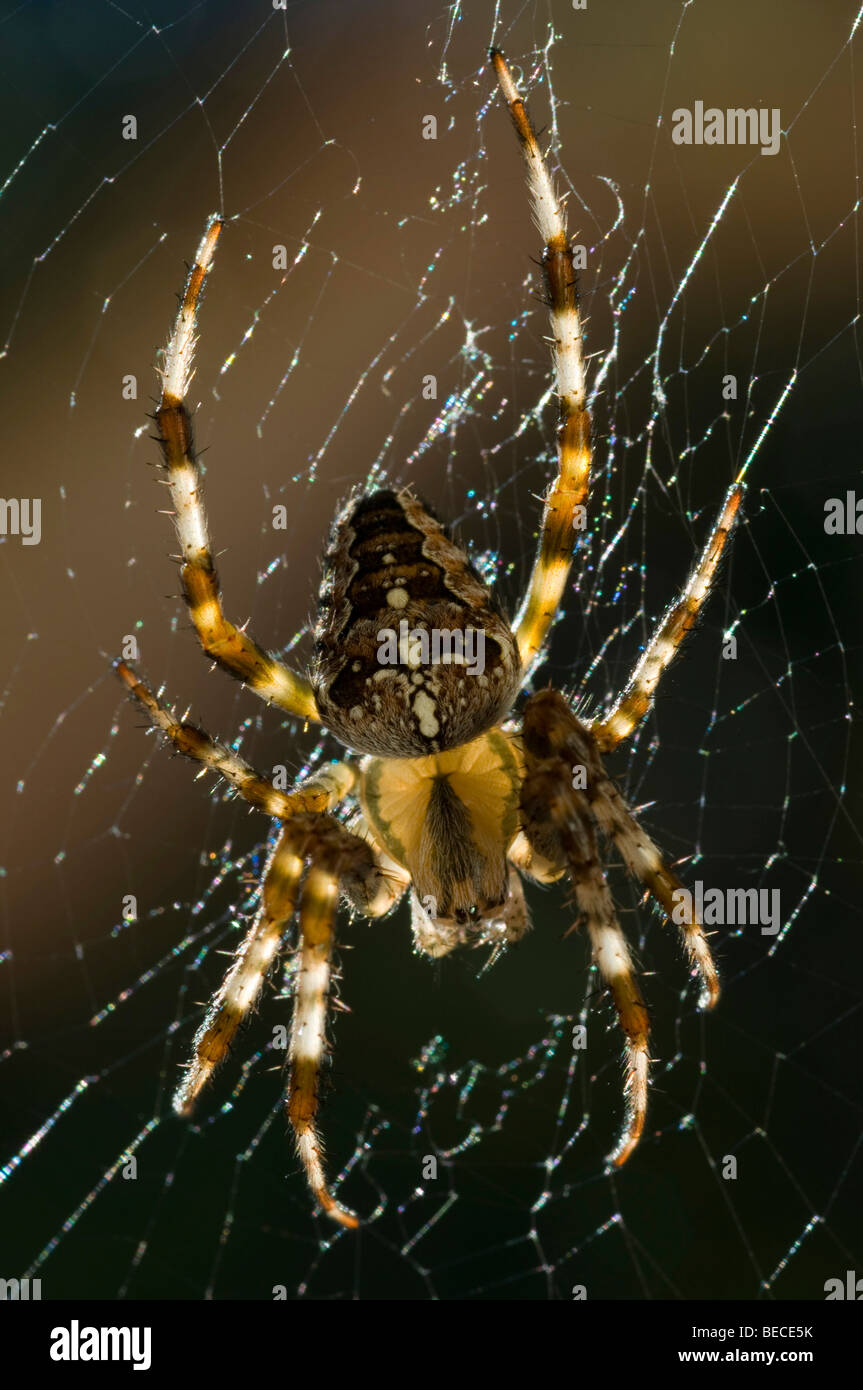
(407, 258)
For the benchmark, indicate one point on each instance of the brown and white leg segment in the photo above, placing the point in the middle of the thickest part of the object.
(241, 988)
(552, 731)
(320, 793)
(335, 855)
(644, 860)
(309, 1030)
(559, 531)
(557, 822)
(614, 962)
(228, 645)
(632, 705)
(336, 858)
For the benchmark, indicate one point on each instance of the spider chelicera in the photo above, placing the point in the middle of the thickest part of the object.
(450, 798)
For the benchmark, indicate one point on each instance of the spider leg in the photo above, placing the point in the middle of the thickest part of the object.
(308, 1030)
(614, 962)
(557, 821)
(373, 888)
(552, 730)
(320, 793)
(335, 856)
(229, 646)
(632, 705)
(560, 527)
(241, 988)
(644, 860)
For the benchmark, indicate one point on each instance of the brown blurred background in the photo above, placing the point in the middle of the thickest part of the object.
(322, 148)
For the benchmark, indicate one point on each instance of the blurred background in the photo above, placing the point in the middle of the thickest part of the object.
(406, 257)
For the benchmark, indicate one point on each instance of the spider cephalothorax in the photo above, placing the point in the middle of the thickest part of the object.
(417, 668)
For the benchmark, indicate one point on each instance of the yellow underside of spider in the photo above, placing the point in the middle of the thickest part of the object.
(484, 775)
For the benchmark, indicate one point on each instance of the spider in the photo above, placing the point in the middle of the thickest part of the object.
(451, 798)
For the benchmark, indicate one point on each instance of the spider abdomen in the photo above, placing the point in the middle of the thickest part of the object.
(413, 656)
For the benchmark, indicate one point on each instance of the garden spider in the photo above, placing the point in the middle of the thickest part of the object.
(451, 801)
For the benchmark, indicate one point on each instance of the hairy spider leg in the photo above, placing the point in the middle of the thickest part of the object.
(552, 730)
(679, 618)
(308, 1044)
(562, 512)
(320, 793)
(557, 818)
(229, 646)
(373, 884)
(241, 988)
(556, 744)
(336, 858)
(645, 862)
